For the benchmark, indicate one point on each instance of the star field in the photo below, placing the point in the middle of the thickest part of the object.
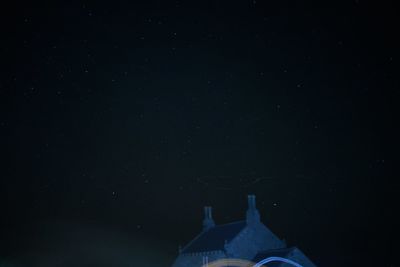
(123, 120)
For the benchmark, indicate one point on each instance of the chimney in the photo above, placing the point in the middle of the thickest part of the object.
(208, 221)
(252, 214)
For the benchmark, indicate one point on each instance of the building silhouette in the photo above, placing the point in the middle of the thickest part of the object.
(249, 240)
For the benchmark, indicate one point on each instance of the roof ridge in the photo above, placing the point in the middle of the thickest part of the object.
(216, 235)
(194, 239)
(229, 223)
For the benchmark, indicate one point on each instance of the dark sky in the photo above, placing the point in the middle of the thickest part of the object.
(120, 121)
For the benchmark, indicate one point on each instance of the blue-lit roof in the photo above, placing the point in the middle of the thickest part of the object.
(214, 238)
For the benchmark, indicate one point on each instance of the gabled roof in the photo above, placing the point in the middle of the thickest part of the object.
(214, 238)
(283, 252)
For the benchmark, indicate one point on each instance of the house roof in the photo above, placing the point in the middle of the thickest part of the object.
(284, 253)
(214, 238)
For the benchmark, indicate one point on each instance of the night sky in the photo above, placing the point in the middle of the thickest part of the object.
(120, 121)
